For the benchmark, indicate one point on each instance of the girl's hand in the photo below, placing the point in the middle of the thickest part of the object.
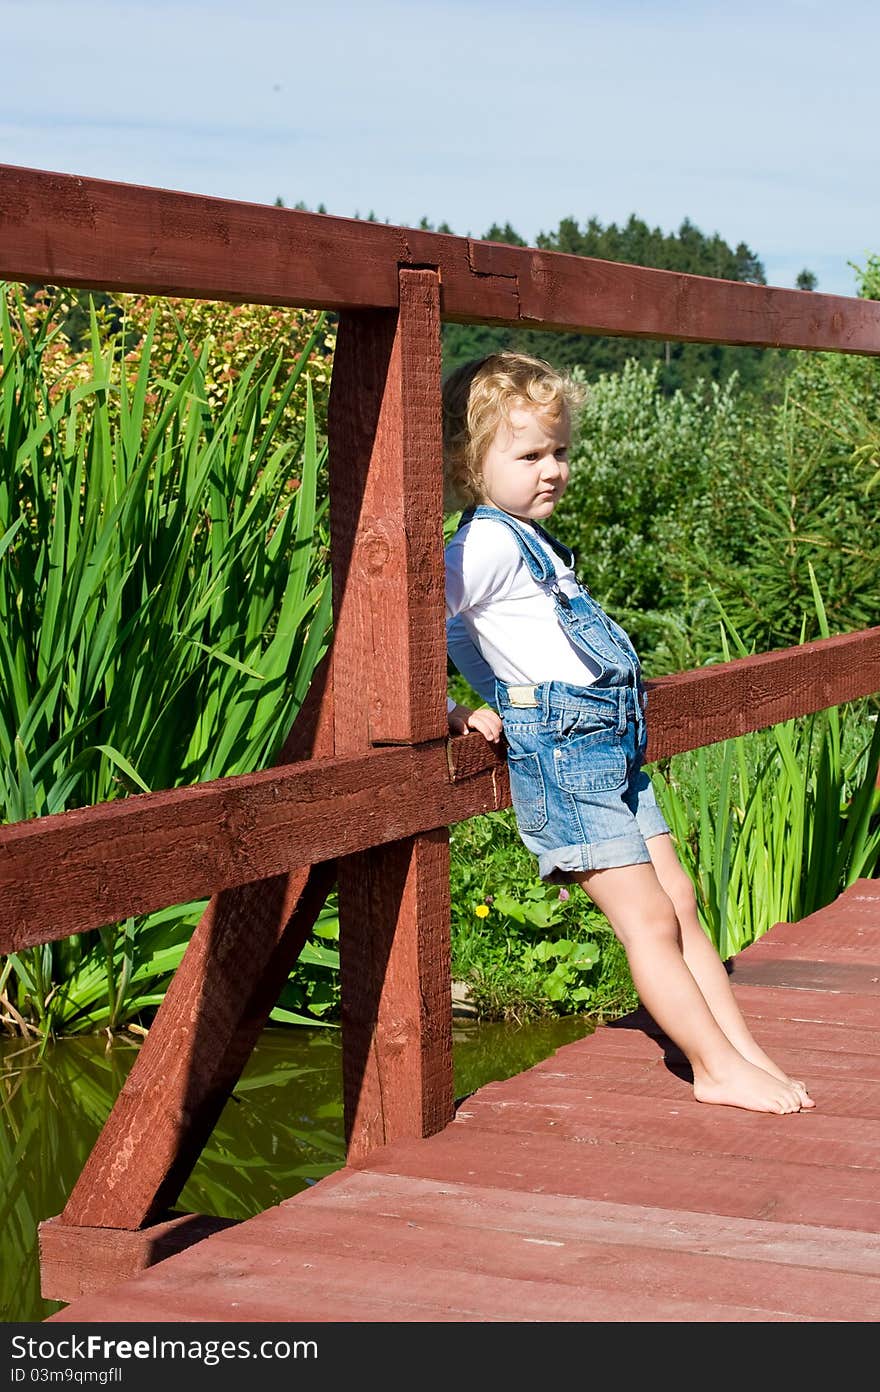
(486, 721)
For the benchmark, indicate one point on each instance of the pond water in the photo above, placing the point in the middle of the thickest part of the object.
(280, 1131)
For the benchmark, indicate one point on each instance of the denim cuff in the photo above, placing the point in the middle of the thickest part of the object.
(601, 855)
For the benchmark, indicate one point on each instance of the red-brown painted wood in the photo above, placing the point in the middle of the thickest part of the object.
(151, 850)
(836, 1093)
(806, 1007)
(69, 230)
(617, 1043)
(144, 852)
(566, 292)
(837, 1036)
(396, 992)
(558, 1216)
(76, 1261)
(386, 509)
(385, 525)
(599, 1245)
(629, 1173)
(846, 931)
(853, 978)
(578, 1114)
(700, 707)
(66, 230)
(214, 1010)
(292, 1256)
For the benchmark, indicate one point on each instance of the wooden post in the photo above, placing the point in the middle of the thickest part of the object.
(386, 510)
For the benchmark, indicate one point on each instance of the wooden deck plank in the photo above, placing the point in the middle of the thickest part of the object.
(839, 1035)
(806, 1007)
(815, 1062)
(846, 930)
(850, 978)
(290, 1262)
(733, 1185)
(344, 1295)
(806, 1138)
(282, 1264)
(559, 1216)
(841, 1097)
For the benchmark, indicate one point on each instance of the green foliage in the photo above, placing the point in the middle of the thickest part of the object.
(797, 501)
(525, 948)
(868, 278)
(572, 960)
(639, 469)
(148, 521)
(676, 505)
(688, 250)
(773, 825)
(674, 498)
(262, 1150)
(163, 603)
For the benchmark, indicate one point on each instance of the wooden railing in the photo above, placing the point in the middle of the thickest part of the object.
(368, 783)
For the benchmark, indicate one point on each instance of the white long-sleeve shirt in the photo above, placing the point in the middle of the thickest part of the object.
(499, 621)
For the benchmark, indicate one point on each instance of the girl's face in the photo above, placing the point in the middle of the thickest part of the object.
(525, 469)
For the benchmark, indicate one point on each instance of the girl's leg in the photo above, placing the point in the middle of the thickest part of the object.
(643, 917)
(705, 965)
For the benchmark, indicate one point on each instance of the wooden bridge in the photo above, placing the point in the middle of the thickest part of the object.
(592, 1187)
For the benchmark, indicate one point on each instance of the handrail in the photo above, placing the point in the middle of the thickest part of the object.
(102, 235)
(140, 853)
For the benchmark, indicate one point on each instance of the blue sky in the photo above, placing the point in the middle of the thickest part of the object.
(756, 120)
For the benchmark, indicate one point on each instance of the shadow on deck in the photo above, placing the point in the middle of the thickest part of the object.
(593, 1187)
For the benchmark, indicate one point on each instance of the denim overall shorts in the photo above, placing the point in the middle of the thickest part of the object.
(581, 797)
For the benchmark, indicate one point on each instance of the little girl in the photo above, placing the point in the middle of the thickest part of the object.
(565, 684)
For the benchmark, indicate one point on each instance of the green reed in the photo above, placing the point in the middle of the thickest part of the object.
(163, 603)
(773, 825)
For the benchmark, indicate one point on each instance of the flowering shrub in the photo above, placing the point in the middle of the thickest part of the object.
(235, 335)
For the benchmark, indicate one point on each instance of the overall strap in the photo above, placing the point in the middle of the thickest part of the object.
(534, 555)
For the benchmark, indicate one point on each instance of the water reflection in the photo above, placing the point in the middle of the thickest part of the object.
(280, 1131)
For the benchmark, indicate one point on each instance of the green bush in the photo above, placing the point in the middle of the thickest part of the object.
(640, 465)
(674, 499)
(526, 949)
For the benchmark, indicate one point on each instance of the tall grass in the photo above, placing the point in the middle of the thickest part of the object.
(774, 825)
(163, 603)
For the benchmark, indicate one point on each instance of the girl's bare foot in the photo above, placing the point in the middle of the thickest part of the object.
(760, 1060)
(743, 1084)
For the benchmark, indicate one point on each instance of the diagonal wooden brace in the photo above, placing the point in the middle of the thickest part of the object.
(234, 967)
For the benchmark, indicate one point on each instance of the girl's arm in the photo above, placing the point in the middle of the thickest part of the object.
(468, 659)
(475, 669)
(468, 584)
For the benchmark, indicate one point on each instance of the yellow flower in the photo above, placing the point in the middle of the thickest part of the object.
(482, 911)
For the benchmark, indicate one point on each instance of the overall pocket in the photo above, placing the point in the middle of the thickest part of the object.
(592, 763)
(527, 791)
(584, 720)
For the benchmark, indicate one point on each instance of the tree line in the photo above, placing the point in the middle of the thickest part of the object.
(679, 365)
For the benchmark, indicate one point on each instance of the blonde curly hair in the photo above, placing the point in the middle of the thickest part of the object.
(477, 396)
